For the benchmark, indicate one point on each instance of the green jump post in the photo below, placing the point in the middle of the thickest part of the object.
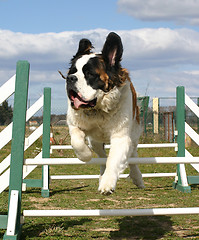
(144, 109)
(46, 141)
(180, 122)
(18, 138)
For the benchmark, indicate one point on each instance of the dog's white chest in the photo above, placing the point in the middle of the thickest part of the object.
(96, 126)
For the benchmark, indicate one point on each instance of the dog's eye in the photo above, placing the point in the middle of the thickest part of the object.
(89, 74)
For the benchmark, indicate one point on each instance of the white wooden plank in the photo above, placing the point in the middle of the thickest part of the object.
(31, 139)
(196, 166)
(192, 134)
(7, 89)
(12, 214)
(191, 104)
(6, 134)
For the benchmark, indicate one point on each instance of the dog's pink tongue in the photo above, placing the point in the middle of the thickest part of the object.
(78, 103)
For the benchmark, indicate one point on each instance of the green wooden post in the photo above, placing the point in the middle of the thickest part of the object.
(143, 103)
(18, 137)
(180, 122)
(46, 140)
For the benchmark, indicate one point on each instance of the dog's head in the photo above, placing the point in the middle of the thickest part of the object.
(91, 75)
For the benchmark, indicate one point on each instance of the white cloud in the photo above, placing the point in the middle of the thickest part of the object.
(179, 11)
(42, 49)
(162, 82)
(151, 55)
(194, 72)
(147, 48)
(144, 47)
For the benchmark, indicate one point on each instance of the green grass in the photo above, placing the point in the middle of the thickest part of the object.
(83, 194)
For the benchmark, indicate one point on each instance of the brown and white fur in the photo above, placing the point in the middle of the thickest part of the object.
(102, 108)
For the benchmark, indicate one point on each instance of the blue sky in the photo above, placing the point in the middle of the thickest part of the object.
(41, 16)
(160, 38)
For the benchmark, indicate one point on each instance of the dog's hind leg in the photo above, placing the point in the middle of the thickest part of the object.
(98, 148)
(135, 173)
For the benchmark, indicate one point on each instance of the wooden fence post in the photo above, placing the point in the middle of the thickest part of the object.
(155, 115)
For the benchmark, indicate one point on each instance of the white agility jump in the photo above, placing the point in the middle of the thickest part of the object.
(144, 175)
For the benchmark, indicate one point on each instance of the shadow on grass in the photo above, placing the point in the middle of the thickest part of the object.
(55, 191)
(149, 227)
(41, 230)
(76, 189)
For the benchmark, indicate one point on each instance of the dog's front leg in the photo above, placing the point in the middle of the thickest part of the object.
(79, 145)
(116, 163)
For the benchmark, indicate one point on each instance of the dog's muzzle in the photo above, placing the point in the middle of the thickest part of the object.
(78, 102)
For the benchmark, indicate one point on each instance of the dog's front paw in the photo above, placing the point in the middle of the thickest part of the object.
(79, 145)
(85, 155)
(107, 184)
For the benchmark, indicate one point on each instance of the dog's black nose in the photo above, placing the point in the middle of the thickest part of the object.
(72, 78)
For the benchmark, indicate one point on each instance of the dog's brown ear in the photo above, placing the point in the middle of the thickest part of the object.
(112, 50)
(85, 47)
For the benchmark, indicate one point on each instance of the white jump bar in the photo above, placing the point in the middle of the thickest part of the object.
(144, 175)
(111, 212)
(153, 145)
(153, 160)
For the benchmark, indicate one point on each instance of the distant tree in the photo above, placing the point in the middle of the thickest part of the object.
(5, 113)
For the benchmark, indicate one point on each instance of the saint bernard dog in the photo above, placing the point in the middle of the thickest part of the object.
(102, 108)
